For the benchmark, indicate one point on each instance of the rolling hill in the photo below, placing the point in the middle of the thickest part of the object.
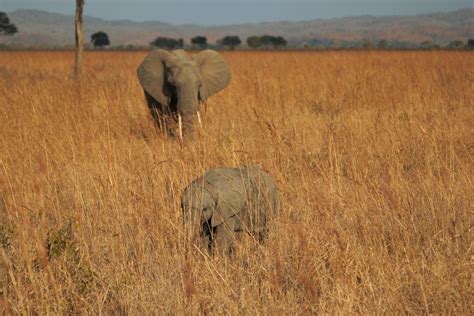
(44, 29)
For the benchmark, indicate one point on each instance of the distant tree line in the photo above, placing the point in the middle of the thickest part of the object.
(229, 41)
(100, 39)
(276, 42)
(266, 41)
(383, 44)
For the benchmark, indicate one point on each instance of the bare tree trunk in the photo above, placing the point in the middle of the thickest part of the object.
(79, 37)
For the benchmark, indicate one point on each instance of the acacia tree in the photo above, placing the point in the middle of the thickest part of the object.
(457, 44)
(6, 27)
(167, 42)
(470, 43)
(367, 44)
(231, 41)
(254, 41)
(266, 41)
(199, 41)
(382, 44)
(100, 39)
(278, 41)
(426, 44)
(79, 37)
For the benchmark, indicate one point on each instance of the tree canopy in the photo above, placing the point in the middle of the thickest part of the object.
(231, 41)
(427, 44)
(470, 43)
(100, 39)
(266, 41)
(253, 41)
(457, 44)
(367, 44)
(6, 27)
(167, 42)
(382, 44)
(199, 41)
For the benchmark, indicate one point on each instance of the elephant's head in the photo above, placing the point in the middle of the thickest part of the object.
(198, 205)
(176, 77)
(211, 200)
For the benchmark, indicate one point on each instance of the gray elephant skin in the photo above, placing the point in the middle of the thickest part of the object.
(226, 202)
(175, 84)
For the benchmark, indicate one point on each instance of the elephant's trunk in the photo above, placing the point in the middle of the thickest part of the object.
(197, 227)
(197, 217)
(188, 105)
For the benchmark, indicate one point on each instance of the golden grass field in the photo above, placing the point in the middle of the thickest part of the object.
(372, 153)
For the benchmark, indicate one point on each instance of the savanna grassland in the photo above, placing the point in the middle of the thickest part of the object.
(372, 153)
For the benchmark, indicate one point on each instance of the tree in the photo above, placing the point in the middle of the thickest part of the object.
(266, 41)
(231, 41)
(426, 45)
(367, 44)
(6, 27)
(79, 37)
(199, 41)
(167, 43)
(100, 39)
(458, 44)
(337, 44)
(279, 41)
(254, 41)
(470, 43)
(382, 44)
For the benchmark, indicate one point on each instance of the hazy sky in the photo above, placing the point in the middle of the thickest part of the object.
(236, 11)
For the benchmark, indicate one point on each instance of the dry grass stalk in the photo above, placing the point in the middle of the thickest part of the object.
(372, 152)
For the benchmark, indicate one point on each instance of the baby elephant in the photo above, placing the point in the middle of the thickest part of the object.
(225, 202)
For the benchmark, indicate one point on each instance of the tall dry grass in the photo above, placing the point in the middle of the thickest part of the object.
(372, 153)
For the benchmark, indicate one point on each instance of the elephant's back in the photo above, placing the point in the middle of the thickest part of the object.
(251, 183)
(266, 187)
(226, 176)
(263, 201)
(253, 177)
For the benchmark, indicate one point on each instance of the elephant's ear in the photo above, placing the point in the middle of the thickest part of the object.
(214, 71)
(151, 74)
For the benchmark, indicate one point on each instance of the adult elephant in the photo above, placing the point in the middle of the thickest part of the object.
(226, 202)
(175, 84)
